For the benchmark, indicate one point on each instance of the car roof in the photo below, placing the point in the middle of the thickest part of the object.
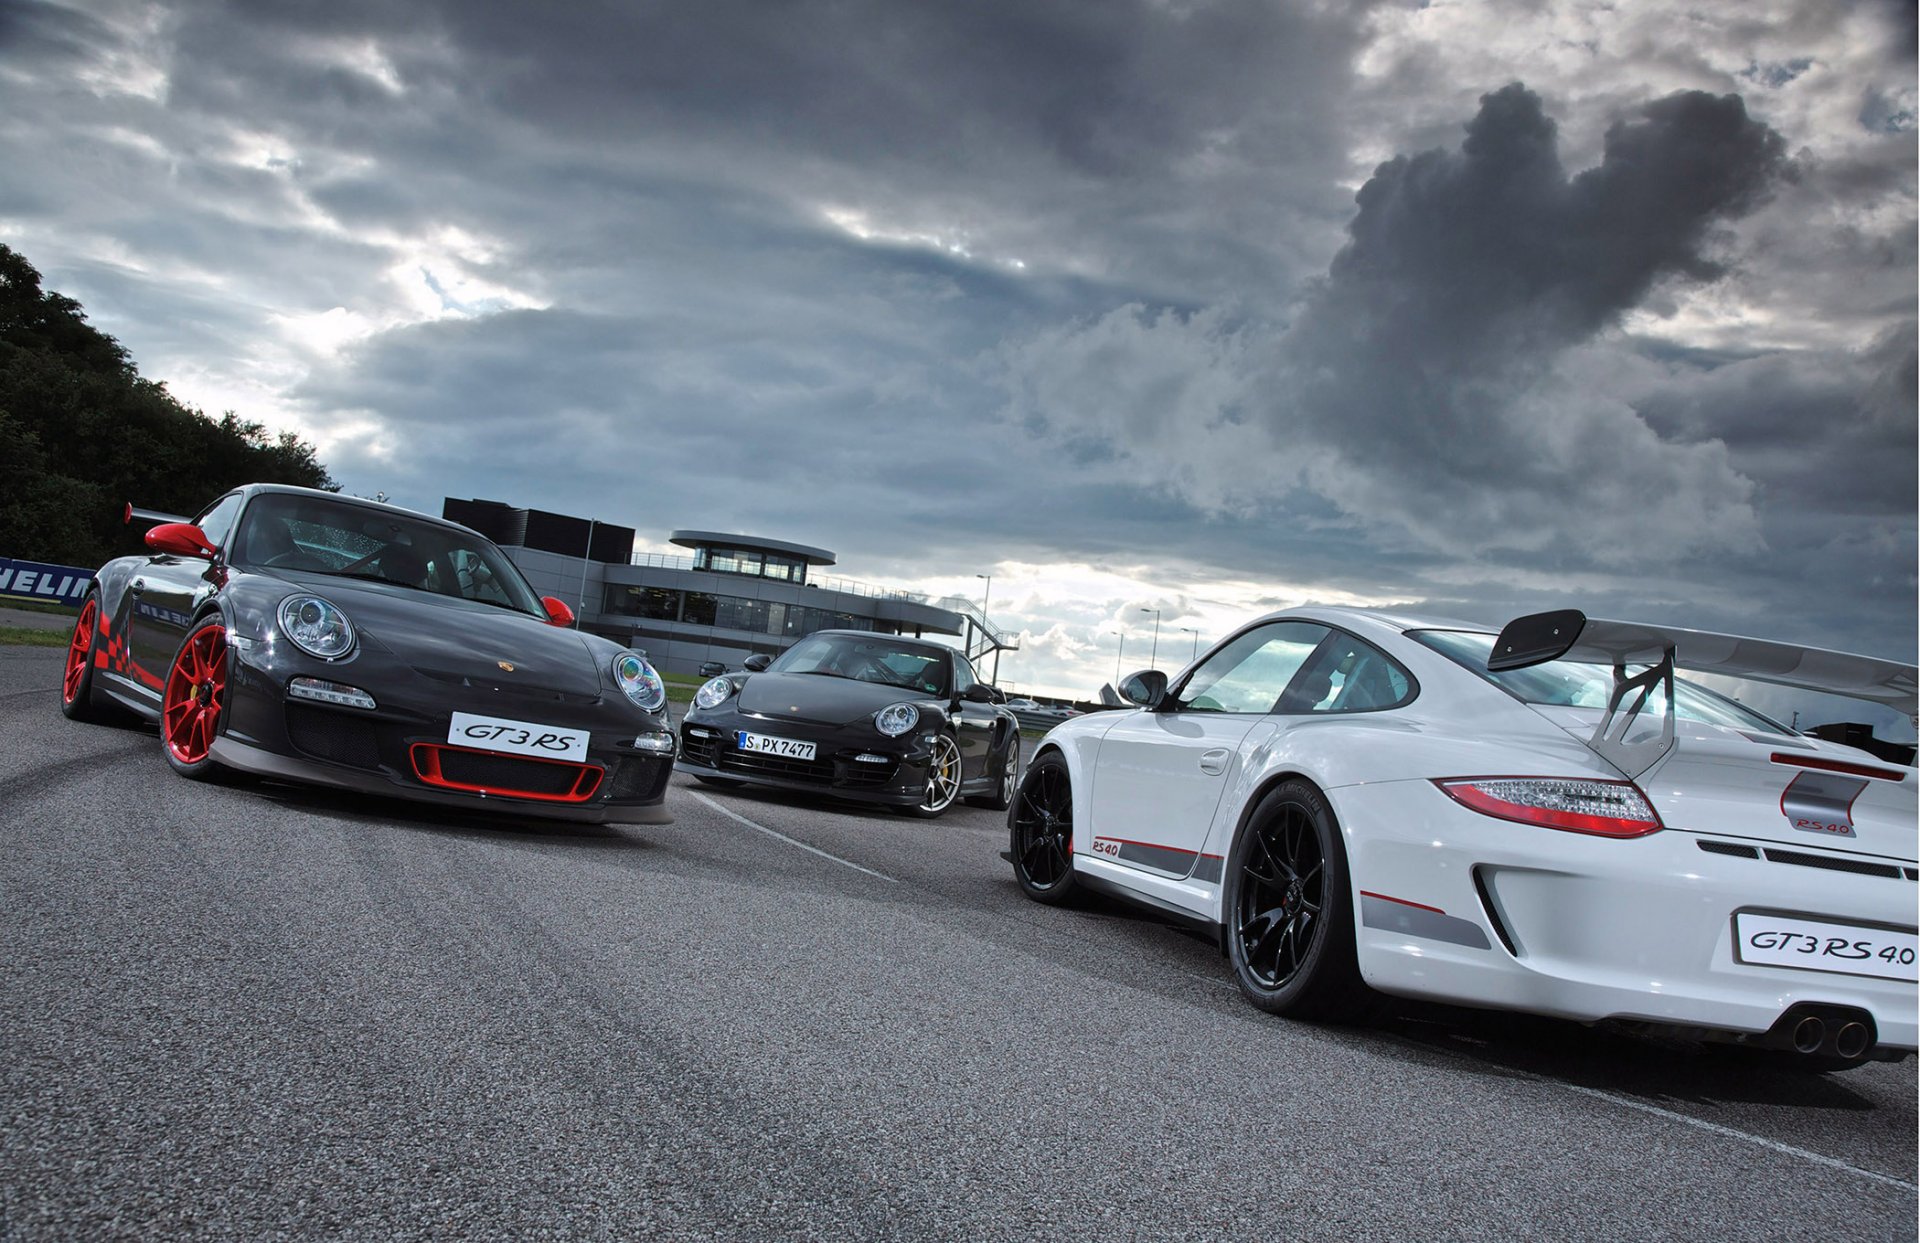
(360, 502)
(1395, 620)
(908, 639)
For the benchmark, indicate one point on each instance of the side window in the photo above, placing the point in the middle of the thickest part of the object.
(1249, 674)
(216, 522)
(1348, 675)
(963, 675)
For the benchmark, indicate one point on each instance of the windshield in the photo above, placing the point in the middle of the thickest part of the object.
(1570, 684)
(867, 658)
(285, 532)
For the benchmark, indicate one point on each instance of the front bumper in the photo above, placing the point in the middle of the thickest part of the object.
(887, 771)
(1459, 907)
(401, 748)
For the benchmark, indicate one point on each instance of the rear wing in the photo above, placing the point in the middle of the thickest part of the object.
(1568, 634)
(152, 517)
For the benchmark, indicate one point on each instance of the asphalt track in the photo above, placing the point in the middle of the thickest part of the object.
(265, 1012)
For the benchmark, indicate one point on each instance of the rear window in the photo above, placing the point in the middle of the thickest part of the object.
(1572, 684)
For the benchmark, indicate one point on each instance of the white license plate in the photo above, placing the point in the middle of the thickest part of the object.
(1780, 941)
(492, 733)
(767, 744)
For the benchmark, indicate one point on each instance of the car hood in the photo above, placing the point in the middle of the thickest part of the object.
(821, 699)
(463, 642)
(1783, 789)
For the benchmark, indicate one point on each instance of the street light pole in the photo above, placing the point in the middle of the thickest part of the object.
(987, 626)
(1196, 643)
(579, 620)
(1117, 654)
(1155, 653)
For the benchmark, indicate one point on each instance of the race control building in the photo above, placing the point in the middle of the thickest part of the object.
(728, 598)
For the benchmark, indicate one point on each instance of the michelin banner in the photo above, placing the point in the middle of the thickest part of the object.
(45, 584)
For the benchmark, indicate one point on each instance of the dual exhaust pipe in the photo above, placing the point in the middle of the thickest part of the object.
(1824, 1031)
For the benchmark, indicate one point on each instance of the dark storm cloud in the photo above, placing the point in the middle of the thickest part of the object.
(1420, 387)
(1474, 267)
(776, 268)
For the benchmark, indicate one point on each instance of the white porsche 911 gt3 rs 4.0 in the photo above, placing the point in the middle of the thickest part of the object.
(1546, 819)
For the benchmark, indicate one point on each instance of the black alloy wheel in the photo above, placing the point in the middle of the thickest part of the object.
(1040, 826)
(1289, 910)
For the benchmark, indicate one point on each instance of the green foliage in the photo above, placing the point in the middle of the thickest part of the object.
(81, 434)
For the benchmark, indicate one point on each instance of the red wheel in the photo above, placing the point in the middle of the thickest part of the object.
(196, 693)
(76, 682)
(77, 675)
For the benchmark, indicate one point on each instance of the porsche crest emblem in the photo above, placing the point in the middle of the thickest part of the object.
(506, 666)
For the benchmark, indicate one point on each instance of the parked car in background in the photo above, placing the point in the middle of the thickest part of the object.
(1546, 819)
(870, 717)
(317, 638)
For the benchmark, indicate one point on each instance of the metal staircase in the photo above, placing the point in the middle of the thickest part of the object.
(980, 637)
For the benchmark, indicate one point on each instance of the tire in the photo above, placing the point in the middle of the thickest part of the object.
(1002, 798)
(194, 700)
(1040, 832)
(76, 679)
(944, 771)
(718, 783)
(1288, 910)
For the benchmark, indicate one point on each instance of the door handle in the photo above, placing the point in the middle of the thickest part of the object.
(1214, 762)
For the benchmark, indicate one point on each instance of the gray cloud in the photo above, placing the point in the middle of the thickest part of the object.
(942, 286)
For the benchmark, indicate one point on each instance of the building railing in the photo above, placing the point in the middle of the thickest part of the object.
(671, 561)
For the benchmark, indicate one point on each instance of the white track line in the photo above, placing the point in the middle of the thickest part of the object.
(1731, 1133)
(731, 815)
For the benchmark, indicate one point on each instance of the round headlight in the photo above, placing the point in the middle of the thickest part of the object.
(639, 682)
(316, 627)
(713, 692)
(896, 719)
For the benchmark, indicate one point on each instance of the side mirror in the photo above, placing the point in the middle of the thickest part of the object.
(558, 614)
(1144, 689)
(756, 662)
(180, 539)
(979, 693)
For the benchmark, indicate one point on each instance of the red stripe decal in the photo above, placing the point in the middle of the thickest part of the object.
(1838, 766)
(1418, 906)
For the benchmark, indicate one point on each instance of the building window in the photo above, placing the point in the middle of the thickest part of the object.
(656, 603)
(698, 609)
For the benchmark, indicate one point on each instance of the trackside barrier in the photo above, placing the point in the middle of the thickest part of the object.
(40, 583)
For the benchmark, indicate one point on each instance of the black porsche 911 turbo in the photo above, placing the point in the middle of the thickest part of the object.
(875, 718)
(309, 637)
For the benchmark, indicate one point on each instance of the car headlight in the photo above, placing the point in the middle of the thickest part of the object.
(896, 719)
(316, 627)
(638, 681)
(713, 692)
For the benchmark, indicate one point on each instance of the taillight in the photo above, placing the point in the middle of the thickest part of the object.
(1575, 804)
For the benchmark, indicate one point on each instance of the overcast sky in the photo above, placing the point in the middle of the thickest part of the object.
(1203, 307)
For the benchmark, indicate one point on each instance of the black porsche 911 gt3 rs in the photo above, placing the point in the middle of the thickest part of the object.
(310, 637)
(871, 717)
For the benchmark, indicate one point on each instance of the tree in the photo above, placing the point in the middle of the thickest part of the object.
(81, 433)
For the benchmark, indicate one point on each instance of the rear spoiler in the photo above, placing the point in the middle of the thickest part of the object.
(152, 517)
(1568, 634)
